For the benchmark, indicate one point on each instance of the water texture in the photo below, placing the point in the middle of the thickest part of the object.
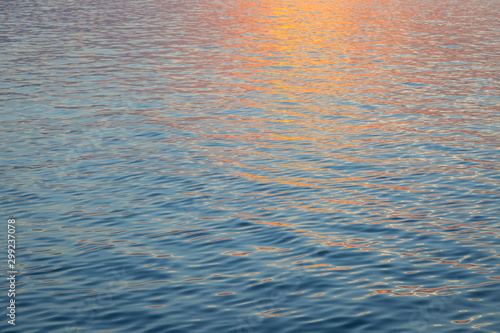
(252, 166)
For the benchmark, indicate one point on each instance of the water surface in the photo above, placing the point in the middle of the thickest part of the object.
(252, 166)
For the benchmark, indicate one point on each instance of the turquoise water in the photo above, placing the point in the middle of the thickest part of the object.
(252, 166)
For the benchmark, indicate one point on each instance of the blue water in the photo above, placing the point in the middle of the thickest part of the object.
(251, 166)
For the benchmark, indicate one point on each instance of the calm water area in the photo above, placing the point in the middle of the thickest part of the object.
(249, 166)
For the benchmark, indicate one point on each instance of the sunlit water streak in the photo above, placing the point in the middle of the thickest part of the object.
(252, 166)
